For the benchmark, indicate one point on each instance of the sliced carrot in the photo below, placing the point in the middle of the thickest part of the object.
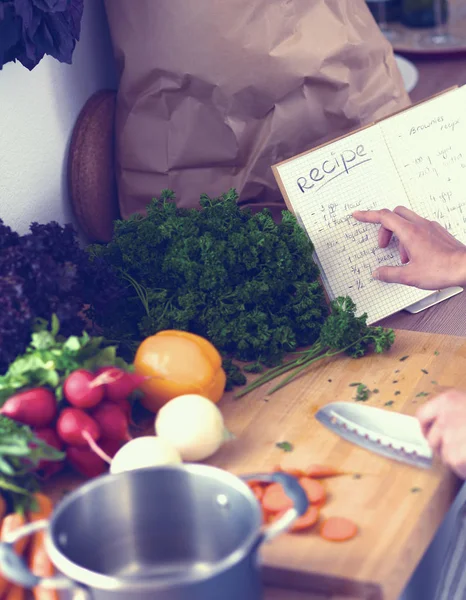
(258, 491)
(306, 521)
(315, 491)
(15, 592)
(275, 499)
(9, 524)
(321, 472)
(39, 562)
(338, 529)
(310, 518)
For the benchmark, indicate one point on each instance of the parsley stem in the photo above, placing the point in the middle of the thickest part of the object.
(279, 370)
(295, 373)
(298, 365)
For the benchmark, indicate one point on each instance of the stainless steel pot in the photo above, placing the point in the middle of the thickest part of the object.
(188, 532)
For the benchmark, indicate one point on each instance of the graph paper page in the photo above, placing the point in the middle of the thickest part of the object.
(324, 187)
(428, 145)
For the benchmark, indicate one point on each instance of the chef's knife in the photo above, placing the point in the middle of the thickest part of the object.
(388, 433)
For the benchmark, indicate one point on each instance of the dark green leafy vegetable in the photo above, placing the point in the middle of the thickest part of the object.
(50, 358)
(342, 332)
(20, 454)
(285, 446)
(362, 393)
(43, 272)
(244, 282)
(422, 394)
(255, 367)
(233, 373)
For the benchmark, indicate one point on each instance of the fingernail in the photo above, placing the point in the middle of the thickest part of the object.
(375, 274)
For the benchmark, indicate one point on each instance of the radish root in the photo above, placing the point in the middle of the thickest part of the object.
(95, 448)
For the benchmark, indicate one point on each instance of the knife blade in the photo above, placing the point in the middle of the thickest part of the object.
(384, 432)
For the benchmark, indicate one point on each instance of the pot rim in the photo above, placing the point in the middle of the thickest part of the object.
(92, 579)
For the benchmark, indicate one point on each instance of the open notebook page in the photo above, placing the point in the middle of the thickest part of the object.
(428, 146)
(324, 187)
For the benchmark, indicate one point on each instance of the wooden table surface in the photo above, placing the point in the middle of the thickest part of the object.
(449, 317)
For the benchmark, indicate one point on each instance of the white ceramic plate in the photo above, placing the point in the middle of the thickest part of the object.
(408, 71)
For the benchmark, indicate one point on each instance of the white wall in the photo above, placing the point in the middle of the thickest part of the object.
(38, 110)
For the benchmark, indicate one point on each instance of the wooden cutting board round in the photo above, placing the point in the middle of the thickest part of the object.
(91, 168)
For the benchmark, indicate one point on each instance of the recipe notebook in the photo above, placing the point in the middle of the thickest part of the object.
(415, 158)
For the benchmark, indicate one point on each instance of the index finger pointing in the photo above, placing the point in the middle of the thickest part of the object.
(388, 219)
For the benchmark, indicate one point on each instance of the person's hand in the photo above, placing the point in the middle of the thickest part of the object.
(443, 423)
(432, 258)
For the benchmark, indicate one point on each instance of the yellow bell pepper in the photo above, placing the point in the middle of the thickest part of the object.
(177, 363)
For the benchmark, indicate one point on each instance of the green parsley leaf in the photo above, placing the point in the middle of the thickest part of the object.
(362, 393)
(285, 446)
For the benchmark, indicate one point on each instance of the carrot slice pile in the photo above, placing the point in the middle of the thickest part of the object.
(338, 529)
(275, 502)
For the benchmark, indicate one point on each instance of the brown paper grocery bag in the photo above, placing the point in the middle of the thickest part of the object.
(214, 92)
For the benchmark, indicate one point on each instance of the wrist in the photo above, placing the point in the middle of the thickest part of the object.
(459, 268)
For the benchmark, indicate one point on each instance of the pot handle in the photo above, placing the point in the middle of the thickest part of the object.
(14, 568)
(294, 491)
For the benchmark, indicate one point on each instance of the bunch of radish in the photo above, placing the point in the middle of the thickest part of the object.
(97, 411)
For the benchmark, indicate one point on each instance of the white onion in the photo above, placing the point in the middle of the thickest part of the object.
(144, 452)
(193, 425)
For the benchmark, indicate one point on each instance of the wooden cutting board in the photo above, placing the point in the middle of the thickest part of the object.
(397, 507)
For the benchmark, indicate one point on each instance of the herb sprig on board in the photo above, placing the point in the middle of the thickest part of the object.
(342, 333)
(244, 282)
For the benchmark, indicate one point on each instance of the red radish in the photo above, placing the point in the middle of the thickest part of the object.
(36, 407)
(48, 468)
(110, 447)
(92, 461)
(112, 421)
(119, 384)
(71, 424)
(81, 390)
(85, 461)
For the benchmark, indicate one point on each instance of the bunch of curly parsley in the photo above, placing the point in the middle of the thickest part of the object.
(244, 282)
